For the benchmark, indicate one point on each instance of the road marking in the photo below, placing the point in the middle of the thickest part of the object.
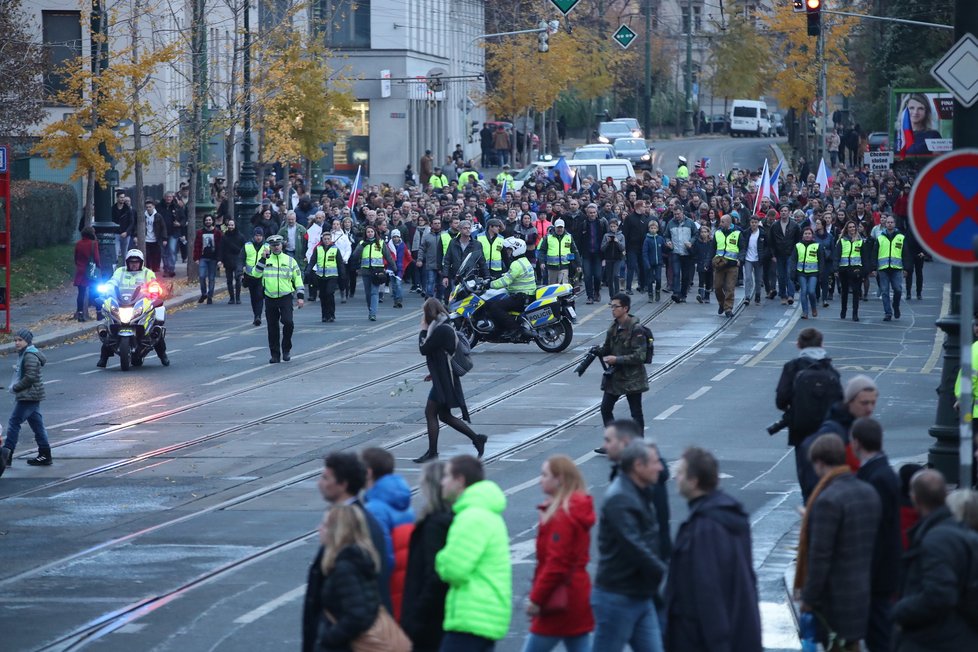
(118, 409)
(723, 374)
(51, 382)
(270, 606)
(935, 353)
(776, 342)
(744, 358)
(668, 412)
(216, 339)
(781, 323)
(515, 489)
(242, 352)
(85, 373)
(772, 333)
(76, 357)
(772, 467)
(702, 390)
(757, 347)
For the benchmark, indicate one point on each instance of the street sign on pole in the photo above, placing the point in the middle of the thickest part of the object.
(624, 36)
(564, 6)
(944, 207)
(958, 70)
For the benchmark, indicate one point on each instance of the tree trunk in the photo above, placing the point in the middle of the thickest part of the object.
(89, 216)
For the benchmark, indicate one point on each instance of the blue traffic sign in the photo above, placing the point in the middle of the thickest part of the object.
(944, 207)
(3, 159)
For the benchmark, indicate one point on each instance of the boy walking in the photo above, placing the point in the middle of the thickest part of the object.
(28, 388)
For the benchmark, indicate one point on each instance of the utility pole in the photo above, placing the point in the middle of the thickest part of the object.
(247, 184)
(105, 228)
(688, 126)
(648, 68)
(202, 195)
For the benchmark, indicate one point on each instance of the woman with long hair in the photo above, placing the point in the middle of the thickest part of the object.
(423, 613)
(921, 122)
(437, 343)
(559, 602)
(86, 254)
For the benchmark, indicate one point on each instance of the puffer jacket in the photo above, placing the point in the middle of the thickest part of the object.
(389, 500)
(28, 385)
(349, 593)
(475, 564)
(629, 347)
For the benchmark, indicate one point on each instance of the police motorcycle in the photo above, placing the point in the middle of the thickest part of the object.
(547, 321)
(134, 318)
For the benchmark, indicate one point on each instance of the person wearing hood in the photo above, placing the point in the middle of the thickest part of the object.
(559, 601)
(801, 412)
(711, 593)
(475, 561)
(28, 390)
(388, 498)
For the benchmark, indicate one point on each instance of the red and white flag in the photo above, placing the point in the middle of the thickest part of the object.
(822, 178)
(763, 188)
(354, 191)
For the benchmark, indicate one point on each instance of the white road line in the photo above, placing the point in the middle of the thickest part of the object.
(781, 323)
(744, 358)
(85, 373)
(216, 339)
(702, 390)
(230, 356)
(271, 606)
(536, 481)
(757, 347)
(772, 333)
(240, 373)
(118, 409)
(51, 382)
(668, 412)
(723, 374)
(76, 357)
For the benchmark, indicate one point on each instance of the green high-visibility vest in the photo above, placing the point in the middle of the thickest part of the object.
(373, 257)
(559, 250)
(467, 177)
(504, 176)
(438, 181)
(281, 276)
(519, 279)
(251, 257)
(446, 239)
(890, 254)
(326, 265)
(807, 257)
(492, 252)
(728, 246)
(851, 253)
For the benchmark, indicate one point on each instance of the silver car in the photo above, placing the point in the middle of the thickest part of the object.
(633, 125)
(635, 150)
(609, 132)
(594, 151)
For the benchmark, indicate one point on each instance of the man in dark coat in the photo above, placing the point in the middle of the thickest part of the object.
(340, 483)
(874, 469)
(782, 236)
(835, 552)
(936, 567)
(711, 593)
(634, 227)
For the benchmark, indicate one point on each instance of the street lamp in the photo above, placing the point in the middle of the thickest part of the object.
(247, 183)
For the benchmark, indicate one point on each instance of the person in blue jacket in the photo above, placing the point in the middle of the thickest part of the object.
(653, 256)
(704, 249)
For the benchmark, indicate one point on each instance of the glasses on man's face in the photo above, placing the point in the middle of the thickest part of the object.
(616, 306)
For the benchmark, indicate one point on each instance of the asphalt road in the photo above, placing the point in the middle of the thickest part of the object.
(180, 510)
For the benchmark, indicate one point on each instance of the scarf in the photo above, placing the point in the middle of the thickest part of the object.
(801, 569)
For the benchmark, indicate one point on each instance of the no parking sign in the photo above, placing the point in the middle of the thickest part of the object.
(944, 207)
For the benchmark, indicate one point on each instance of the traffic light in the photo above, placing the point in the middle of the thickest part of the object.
(814, 10)
(799, 6)
(543, 37)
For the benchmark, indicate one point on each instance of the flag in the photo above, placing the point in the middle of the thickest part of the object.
(763, 189)
(354, 191)
(822, 178)
(566, 174)
(504, 191)
(905, 136)
(705, 162)
(775, 193)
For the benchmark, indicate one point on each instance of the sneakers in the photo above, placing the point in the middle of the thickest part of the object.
(791, 301)
(210, 301)
(888, 318)
(43, 457)
(784, 302)
(398, 305)
(256, 322)
(202, 299)
(814, 311)
(757, 300)
(589, 301)
(728, 314)
(373, 317)
(286, 356)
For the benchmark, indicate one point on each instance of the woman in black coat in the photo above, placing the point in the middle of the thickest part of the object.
(349, 596)
(437, 343)
(422, 616)
(229, 253)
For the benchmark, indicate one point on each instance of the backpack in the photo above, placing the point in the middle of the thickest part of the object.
(813, 391)
(649, 341)
(462, 358)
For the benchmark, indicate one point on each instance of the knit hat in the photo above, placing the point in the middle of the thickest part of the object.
(258, 231)
(558, 223)
(858, 384)
(396, 233)
(26, 335)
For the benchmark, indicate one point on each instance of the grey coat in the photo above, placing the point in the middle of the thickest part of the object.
(28, 385)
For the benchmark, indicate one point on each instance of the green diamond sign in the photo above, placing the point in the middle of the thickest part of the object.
(565, 5)
(624, 36)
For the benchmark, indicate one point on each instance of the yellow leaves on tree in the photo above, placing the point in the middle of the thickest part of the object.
(741, 59)
(309, 103)
(796, 64)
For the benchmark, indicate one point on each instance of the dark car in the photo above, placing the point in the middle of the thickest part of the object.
(715, 124)
(635, 150)
(879, 141)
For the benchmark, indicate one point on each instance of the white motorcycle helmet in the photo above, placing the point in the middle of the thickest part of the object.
(517, 246)
(682, 160)
(138, 255)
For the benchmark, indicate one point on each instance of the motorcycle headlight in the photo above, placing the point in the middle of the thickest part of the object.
(137, 310)
(103, 288)
(125, 315)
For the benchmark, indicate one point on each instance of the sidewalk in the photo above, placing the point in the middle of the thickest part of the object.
(50, 314)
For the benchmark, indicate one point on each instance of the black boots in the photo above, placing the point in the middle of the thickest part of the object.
(43, 457)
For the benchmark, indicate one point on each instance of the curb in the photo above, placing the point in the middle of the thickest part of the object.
(66, 333)
(778, 154)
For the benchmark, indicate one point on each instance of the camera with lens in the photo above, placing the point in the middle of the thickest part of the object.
(778, 425)
(592, 354)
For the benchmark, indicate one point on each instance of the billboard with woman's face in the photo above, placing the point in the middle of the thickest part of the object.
(922, 121)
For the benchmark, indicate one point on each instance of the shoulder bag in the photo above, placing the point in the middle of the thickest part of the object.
(385, 635)
(91, 270)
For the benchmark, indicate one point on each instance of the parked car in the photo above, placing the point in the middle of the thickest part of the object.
(596, 150)
(777, 124)
(608, 132)
(749, 118)
(715, 124)
(635, 150)
(879, 141)
(633, 125)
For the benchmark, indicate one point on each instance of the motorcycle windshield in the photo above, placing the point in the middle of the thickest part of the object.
(468, 263)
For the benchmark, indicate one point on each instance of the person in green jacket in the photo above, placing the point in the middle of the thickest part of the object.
(28, 390)
(475, 560)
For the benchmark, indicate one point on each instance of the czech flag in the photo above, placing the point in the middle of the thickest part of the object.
(566, 174)
(355, 190)
(763, 189)
(905, 137)
(823, 179)
(504, 191)
(775, 198)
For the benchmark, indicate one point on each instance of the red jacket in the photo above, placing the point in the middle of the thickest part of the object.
(86, 251)
(563, 543)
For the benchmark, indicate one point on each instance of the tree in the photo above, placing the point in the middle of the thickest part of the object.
(738, 49)
(21, 67)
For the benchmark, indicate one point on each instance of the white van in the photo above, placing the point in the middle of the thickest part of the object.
(750, 118)
(618, 169)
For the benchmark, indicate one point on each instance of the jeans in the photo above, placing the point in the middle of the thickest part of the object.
(623, 620)
(540, 643)
(372, 293)
(633, 260)
(207, 269)
(891, 278)
(122, 245)
(634, 407)
(502, 156)
(682, 274)
(753, 271)
(462, 642)
(170, 253)
(397, 290)
(432, 283)
(592, 274)
(786, 288)
(653, 278)
(29, 411)
(87, 295)
(807, 284)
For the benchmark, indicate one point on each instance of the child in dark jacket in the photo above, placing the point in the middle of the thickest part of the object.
(704, 248)
(612, 253)
(653, 249)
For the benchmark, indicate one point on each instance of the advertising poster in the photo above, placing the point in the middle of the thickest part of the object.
(922, 121)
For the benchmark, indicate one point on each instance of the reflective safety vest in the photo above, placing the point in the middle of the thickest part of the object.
(467, 177)
(728, 246)
(127, 281)
(251, 257)
(807, 257)
(446, 239)
(851, 253)
(682, 172)
(519, 279)
(438, 180)
(890, 253)
(559, 253)
(280, 276)
(373, 256)
(326, 265)
(493, 252)
(504, 176)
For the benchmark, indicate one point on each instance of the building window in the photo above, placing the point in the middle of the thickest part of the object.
(352, 148)
(271, 13)
(346, 23)
(697, 19)
(61, 33)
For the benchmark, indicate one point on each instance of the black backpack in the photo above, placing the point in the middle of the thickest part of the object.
(813, 391)
(649, 341)
(461, 360)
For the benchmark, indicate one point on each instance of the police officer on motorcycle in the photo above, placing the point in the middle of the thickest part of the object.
(126, 280)
(520, 283)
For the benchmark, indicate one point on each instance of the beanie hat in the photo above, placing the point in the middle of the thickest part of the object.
(858, 384)
(258, 231)
(26, 335)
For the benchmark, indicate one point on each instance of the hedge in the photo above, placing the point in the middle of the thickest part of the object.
(41, 214)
